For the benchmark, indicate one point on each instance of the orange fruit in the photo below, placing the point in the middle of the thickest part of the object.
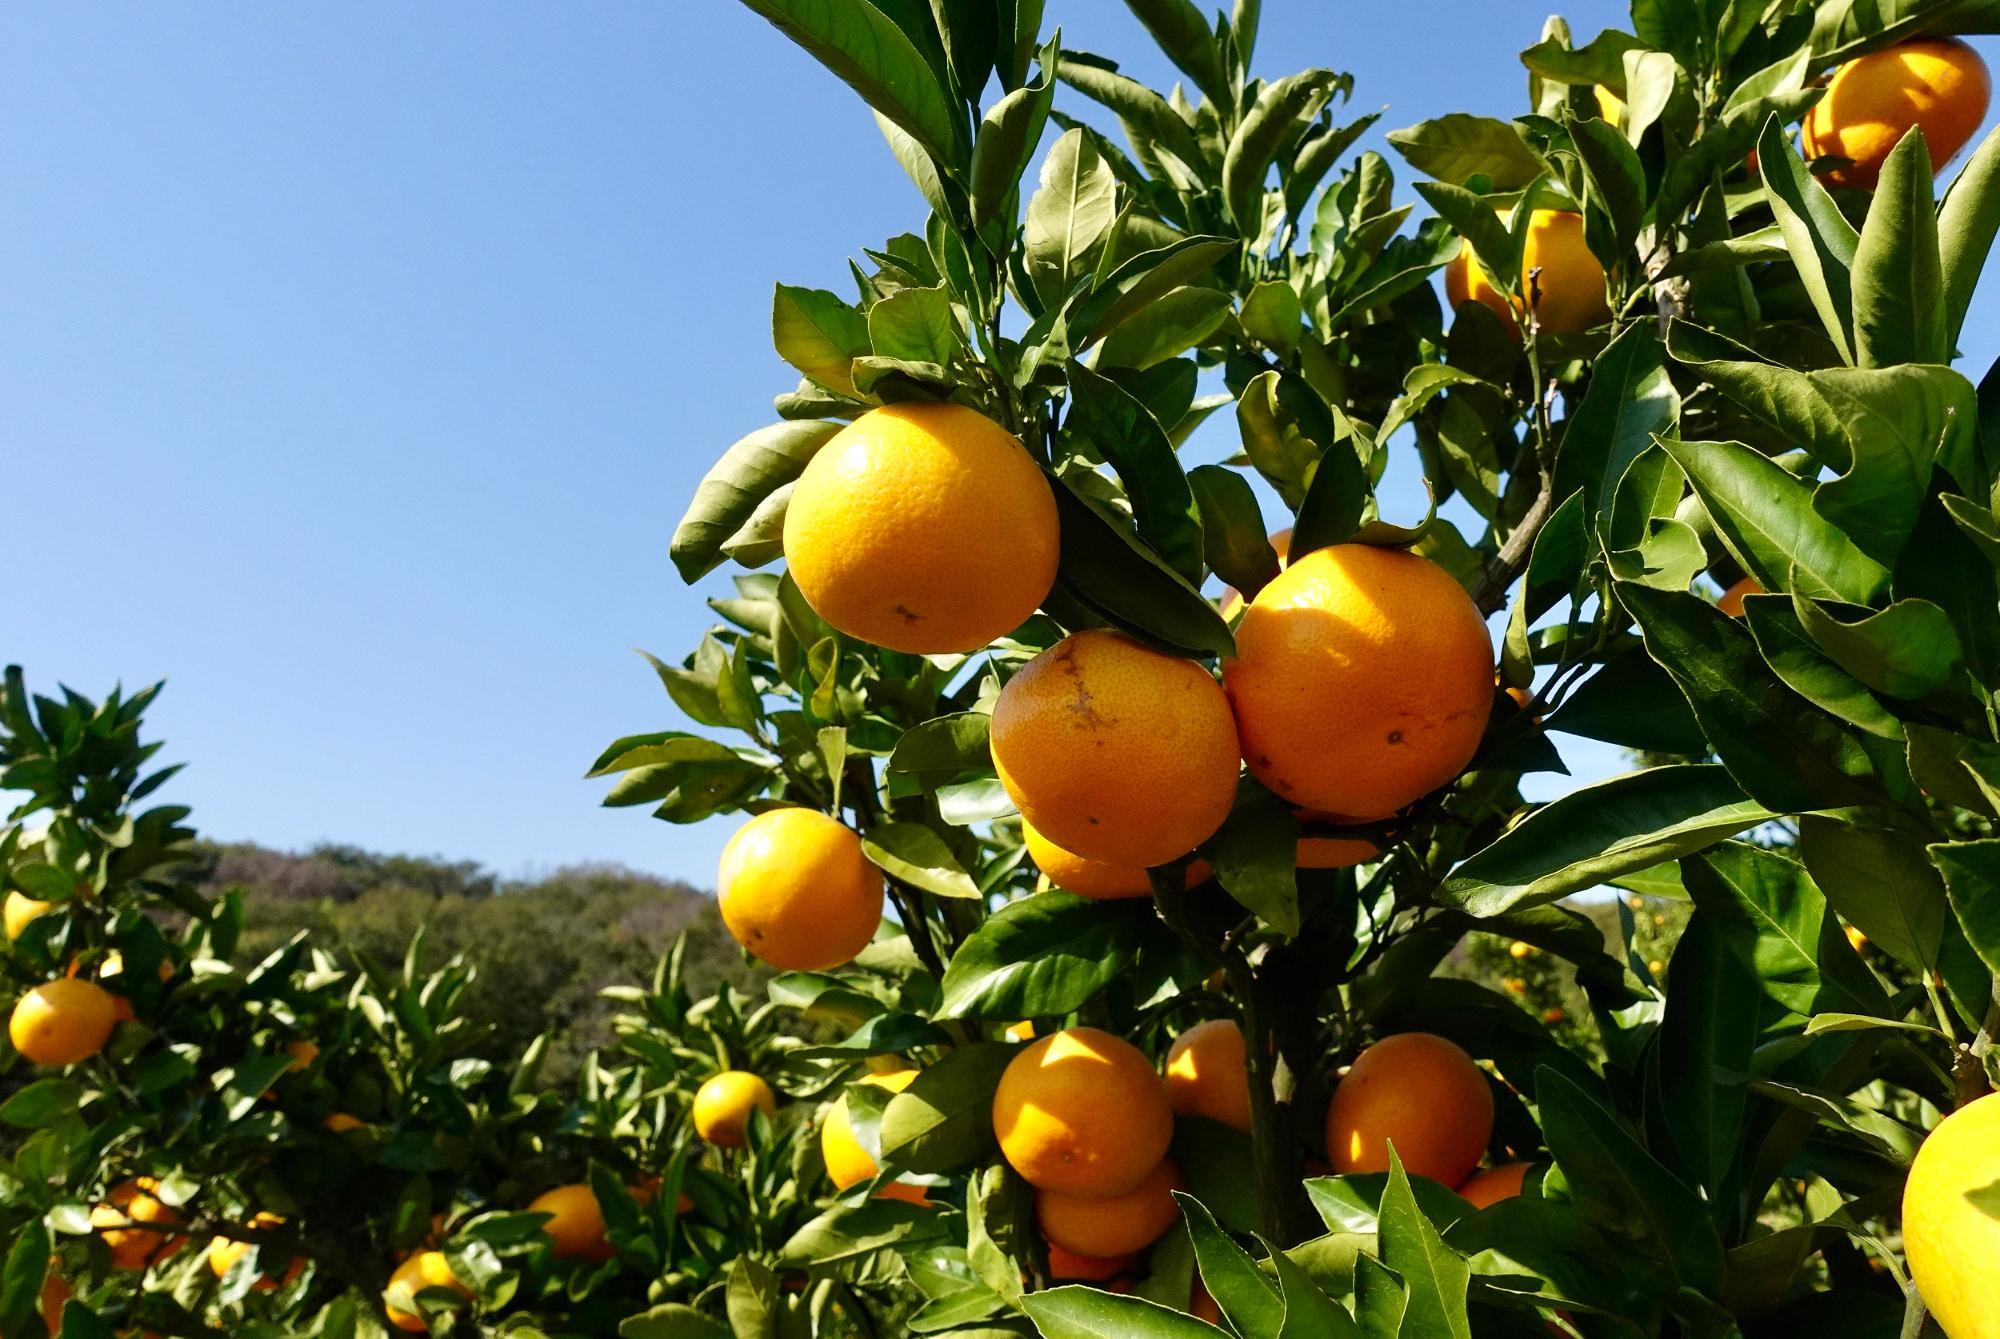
(1362, 680)
(1519, 949)
(1855, 939)
(1208, 1074)
(1871, 102)
(1114, 751)
(722, 1107)
(55, 1293)
(1494, 1184)
(849, 1164)
(19, 909)
(1202, 1306)
(1420, 1092)
(925, 528)
(424, 1270)
(62, 1022)
(1553, 1014)
(1281, 544)
(1066, 1266)
(1118, 1224)
(576, 1223)
(340, 1122)
(303, 1053)
(134, 1224)
(224, 1252)
(1568, 281)
(1332, 852)
(1731, 602)
(1610, 107)
(796, 890)
(1082, 1112)
(1095, 878)
(1021, 1031)
(1950, 1241)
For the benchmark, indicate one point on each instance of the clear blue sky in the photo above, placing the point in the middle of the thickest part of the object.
(357, 358)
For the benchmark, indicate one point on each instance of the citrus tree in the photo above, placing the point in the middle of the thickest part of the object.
(1140, 894)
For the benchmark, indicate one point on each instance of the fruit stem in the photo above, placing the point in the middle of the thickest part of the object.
(1969, 1065)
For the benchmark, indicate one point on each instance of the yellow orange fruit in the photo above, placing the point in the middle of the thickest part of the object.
(135, 1225)
(1066, 1266)
(1332, 852)
(1419, 1092)
(1115, 752)
(1610, 106)
(925, 528)
(847, 1163)
(1095, 878)
(1115, 1224)
(1871, 102)
(1362, 680)
(1208, 1074)
(1021, 1031)
(1731, 601)
(422, 1271)
(1281, 544)
(796, 890)
(1855, 939)
(340, 1122)
(1518, 950)
(62, 1022)
(224, 1252)
(576, 1223)
(1494, 1184)
(19, 909)
(1951, 1242)
(1567, 281)
(722, 1107)
(1082, 1112)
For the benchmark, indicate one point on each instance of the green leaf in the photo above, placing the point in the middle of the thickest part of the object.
(1456, 148)
(1616, 178)
(1148, 117)
(1076, 1312)
(915, 325)
(851, 1231)
(1633, 702)
(1245, 1294)
(1630, 400)
(1435, 1276)
(944, 1120)
(1621, 1188)
(1765, 517)
(672, 1321)
(1786, 755)
(43, 1102)
(1956, 769)
(1233, 542)
(1711, 994)
(1111, 419)
(1966, 223)
(1805, 669)
(1473, 218)
(819, 335)
(1286, 429)
(1270, 121)
(1007, 137)
(1596, 833)
(1070, 217)
(1878, 879)
(22, 1277)
(1986, 1199)
(1971, 872)
(728, 495)
(868, 52)
(1778, 923)
(944, 746)
(1142, 280)
(1908, 650)
(1309, 1312)
(1166, 328)
(1272, 315)
(919, 857)
(1255, 855)
(1106, 568)
(1899, 300)
(1041, 956)
(1188, 42)
(1821, 240)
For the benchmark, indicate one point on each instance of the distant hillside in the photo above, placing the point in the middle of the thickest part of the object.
(543, 948)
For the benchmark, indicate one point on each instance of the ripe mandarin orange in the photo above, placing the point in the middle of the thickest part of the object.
(924, 528)
(19, 909)
(1362, 680)
(1871, 102)
(1082, 1112)
(1731, 601)
(55, 1294)
(1208, 1074)
(1332, 852)
(340, 1122)
(847, 1163)
(64, 1021)
(797, 891)
(1115, 752)
(424, 1270)
(1115, 1225)
(1066, 1266)
(224, 1252)
(134, 1224)
(1494, 1184)
(1568, 282)
(576, 1223)
(1095, 878)
(722, 1107)
(1420, 1092)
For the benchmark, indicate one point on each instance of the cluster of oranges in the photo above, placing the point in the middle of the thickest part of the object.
(1938, 84)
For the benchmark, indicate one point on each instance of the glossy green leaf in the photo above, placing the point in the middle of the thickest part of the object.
(1822, 242)
(944, 1120)
(1435, 1276)
(1967, 220)
(1255, 858)
(1456, 148)
(1041, 956)
(1633, 702)
(1006, 141)
(849, 1231)
(728, 495)
(1265, 126)
(820, 335)
(1711, 994)
(1629, 401)
(919, 857)
(1076, 1312)
(1248, 1298)
(1232, 529)
(1971, 873)
(1142, 280)
(1166, 328)
(1069, 217)
(1804, 668)
(915, 325)
(1879, 880)
(1908, 650)
(1900, 315)
(1120, 579)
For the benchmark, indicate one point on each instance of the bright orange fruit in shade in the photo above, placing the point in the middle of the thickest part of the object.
(224, 1252)
(1362, 680)
(1083, 1113)
(1066, 1266)
(1208, 1074)
(1094, 878)
(424, 1270)
(1116, 1224)
(1494, 1184)
(1568, 283)
(1115, 752)
(576, 1222)
(1332, 852)
(847, 1162)
(722, 1107)
(924, 528)
(1420, 1092)
(135, 1224)
(1871, 102)
(1731, 602)
(796, 890)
